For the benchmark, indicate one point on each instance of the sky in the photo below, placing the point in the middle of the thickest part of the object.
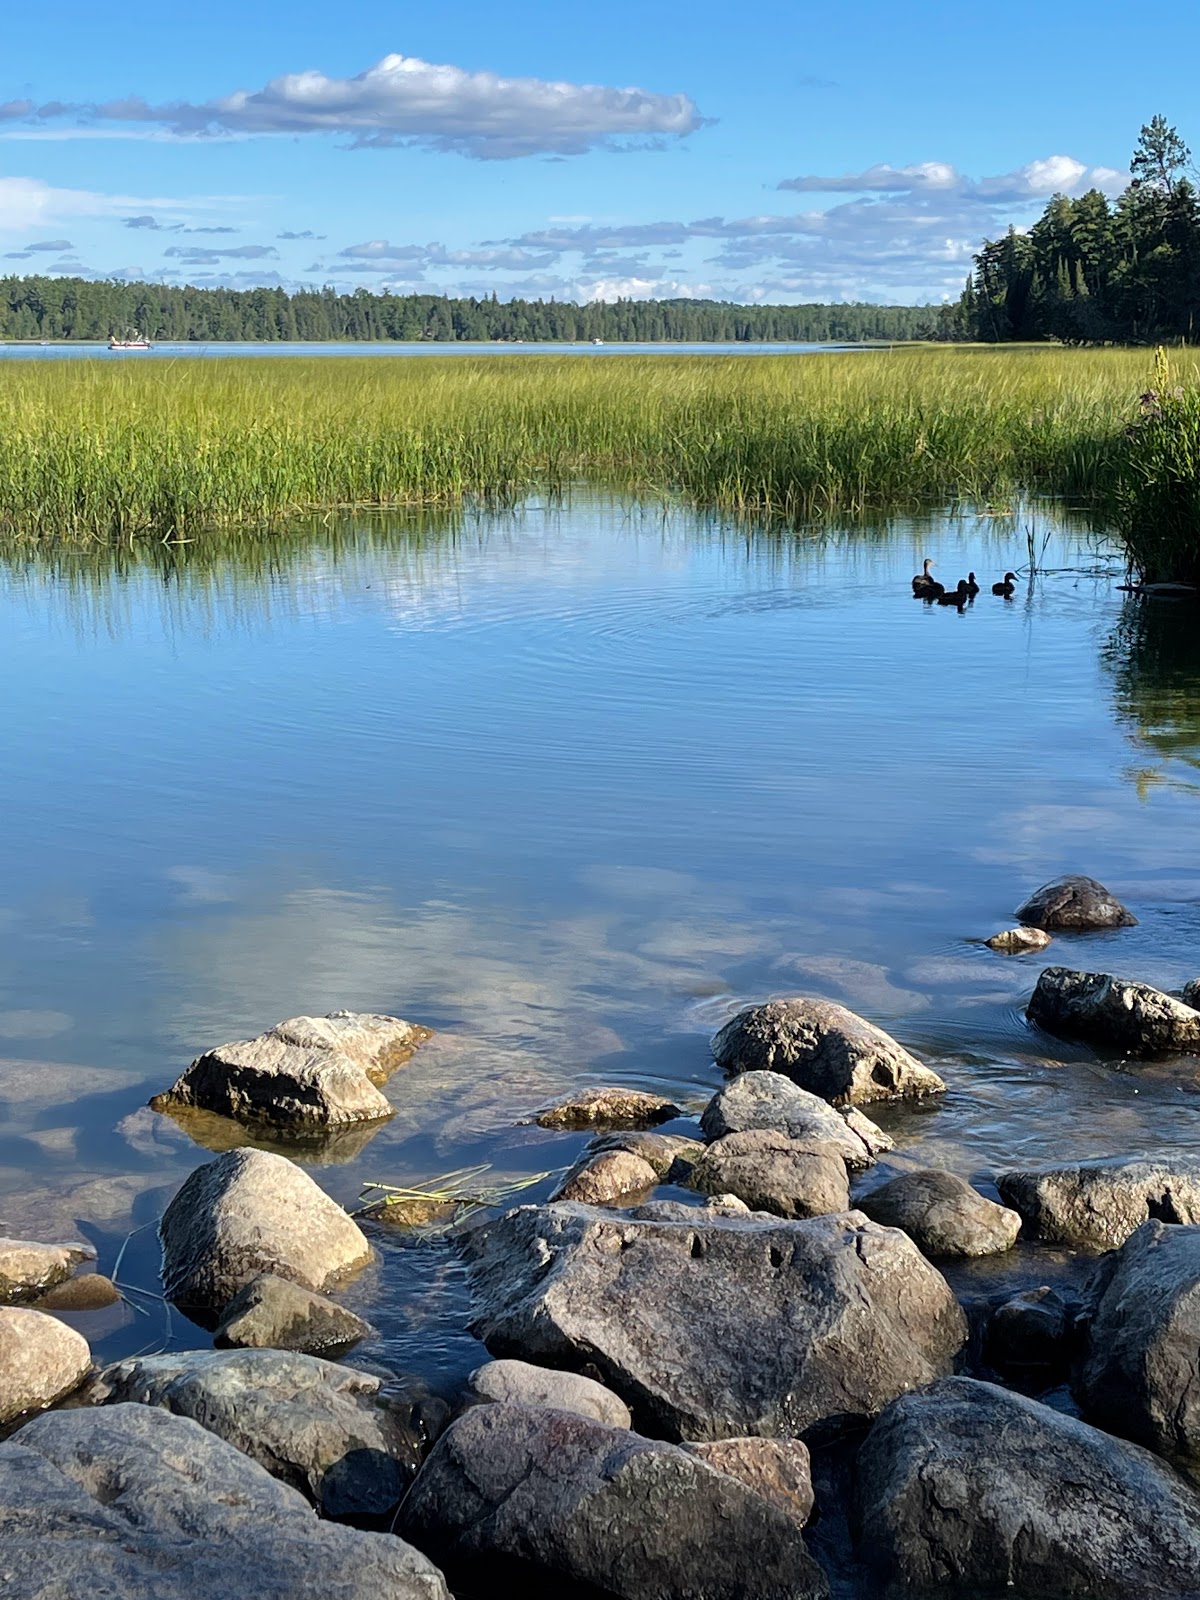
(784, 152)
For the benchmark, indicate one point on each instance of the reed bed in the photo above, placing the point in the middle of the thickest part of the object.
(121, 449)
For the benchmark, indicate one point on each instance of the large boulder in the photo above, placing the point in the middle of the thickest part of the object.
(778, 1469)
(317, 1426)
(246, 1213)
(1074, 905)
(942, 1214)
(306, 1073)
(129, 1501)
(1141, 1374)
(521, 1383)
(634, 1518)
(1096, 1205)
(767, 1171)
(28, 1269)
(617, 1107)
(1130, 1019)
(824, 1048)
(768, 1100)
(41, 1360)
(272, 1313)
(712, 1326)
(966, 1486)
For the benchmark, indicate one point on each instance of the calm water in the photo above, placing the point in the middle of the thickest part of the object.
(174, 349)
(571, 787)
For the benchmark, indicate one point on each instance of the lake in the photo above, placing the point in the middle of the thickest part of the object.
(570, 786)
(171, 350)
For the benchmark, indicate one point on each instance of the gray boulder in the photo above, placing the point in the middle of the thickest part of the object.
(966, 1486)
(1096, 1205)
(767, 1171)
(1131, 1019)
(319, 1427)
(610, 1175)
(272, 1313)
(246, 1213)
(669, 1154)
(128, 1501)
(41, 1360)
(635, 1518)
(778, 1469)
(942, 1214)
(1141, 1373)
(711, 1326)
(824, 1048)
(768, 1100)
(520, 1383)
(1191, 994)
(27, 1269)
(617, 1107)
(306, 1073)
(1074, 905)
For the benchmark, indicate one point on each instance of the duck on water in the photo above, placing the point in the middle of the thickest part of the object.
(956, 597)
(1006, 586)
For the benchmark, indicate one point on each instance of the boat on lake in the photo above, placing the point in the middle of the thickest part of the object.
(131, 339)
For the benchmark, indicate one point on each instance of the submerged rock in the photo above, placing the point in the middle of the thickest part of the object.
(272, 1313)
(90, 1291)
(824, 1048)
(716, 1327)
(308, 1072)
(1130, 1018)
(246, 1213)
(26, 1269)
(1019, 941)
(768, 1100)
(610, 1175)
(129, 1501)
(608, 1108)
(635, 1518)
(966, 1486)
(942, 1214)
(1034, 1328)
(767, 1171)
(1096, 1205)
(41, 1361)
(1074, 905)
(521, 1383)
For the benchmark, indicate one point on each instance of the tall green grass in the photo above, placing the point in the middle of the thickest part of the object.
(115, 449)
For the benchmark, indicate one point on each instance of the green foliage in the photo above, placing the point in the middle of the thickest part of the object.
(1158, 497)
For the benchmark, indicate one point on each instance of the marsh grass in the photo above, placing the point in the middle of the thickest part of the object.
(115, 451)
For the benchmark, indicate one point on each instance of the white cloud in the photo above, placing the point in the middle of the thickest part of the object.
(1036, 180)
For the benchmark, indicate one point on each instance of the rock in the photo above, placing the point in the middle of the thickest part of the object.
(272, 1313)
(315, 1072)
(634, 1518)
(825, 1049)
(716, 1327)
(608, 1108)
(1074, 905)
(90, 1291)
(1031, 1329)
(611, 1175)
(869, 1132)
(26, 1269)
(1191, 994)
(968, 1486)
(41, 1360)
(1130, 1018)
(770, 1172)
(942, 1214)
(246, 1213)
(777, 1469)
(1096, 1205)
(670, 1154)
(129, 1501)
(1019, 941)
(520, 1383)
(769, 1100)
(317, 1426)
(1141, 1373)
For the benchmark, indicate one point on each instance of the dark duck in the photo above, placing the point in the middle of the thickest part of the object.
(1006, 588)
(925, 585)
(956, 597)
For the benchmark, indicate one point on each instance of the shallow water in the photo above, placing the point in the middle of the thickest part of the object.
(174, 349)
(571, 787)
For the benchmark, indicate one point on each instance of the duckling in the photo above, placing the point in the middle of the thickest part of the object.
(955, 597)
(1005, 588)
(972, 586)
(924, 580)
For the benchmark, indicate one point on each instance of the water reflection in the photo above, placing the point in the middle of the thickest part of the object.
(1154, 658)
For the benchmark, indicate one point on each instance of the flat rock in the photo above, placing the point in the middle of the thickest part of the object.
(716, 1327)
(1131, 1019)
(1019, 941)
(272, 1313)
(89, 1291)
(942, 1214)
(767, 1171)
(1096, 1205)
(634, 1518)
(129, 1501)
(26, 1269)
(608, 1108)
(246, 1213)
(777, 1469)
(308, 1072)
(600, 1179)
(521, 1383)
(319, 1427)
(968, 1486)
(768, 1100)
(41, 1360)
(824, 1048)
(1074, 905)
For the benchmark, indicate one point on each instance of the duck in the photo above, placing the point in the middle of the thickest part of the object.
(955, 597)
(1005, 588)
(924, 580)
(972, 586)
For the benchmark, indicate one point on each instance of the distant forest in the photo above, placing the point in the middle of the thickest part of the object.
(77, 308)
(1092, 272)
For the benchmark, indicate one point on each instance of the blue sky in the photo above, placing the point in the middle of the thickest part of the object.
(784, 152)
